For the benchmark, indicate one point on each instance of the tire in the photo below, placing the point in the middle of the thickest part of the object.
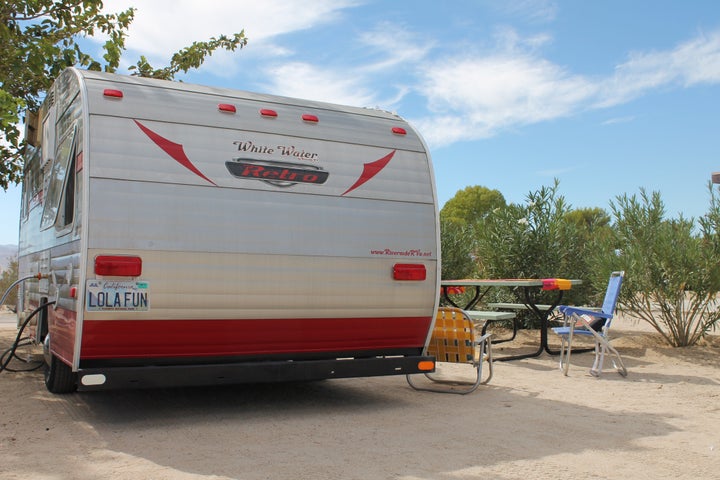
(59, 377)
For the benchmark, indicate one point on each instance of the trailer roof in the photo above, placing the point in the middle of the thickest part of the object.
(90, 76)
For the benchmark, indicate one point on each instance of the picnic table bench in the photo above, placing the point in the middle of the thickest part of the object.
(494, 316)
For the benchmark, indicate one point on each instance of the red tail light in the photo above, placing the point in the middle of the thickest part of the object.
(409, 271)
(110, 92)
(118, 266)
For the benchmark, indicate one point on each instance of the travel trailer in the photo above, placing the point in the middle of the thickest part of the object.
(186, 235)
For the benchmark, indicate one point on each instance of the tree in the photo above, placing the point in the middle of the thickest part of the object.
(472, 204)
(457, 240)
(589, 218)
(672, 274)
(8, 277)
(39, 38)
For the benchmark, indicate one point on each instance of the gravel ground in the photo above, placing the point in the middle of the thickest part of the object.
(661, 422)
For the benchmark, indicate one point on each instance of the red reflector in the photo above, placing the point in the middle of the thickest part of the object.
(310, 118)
(118, 266)
(399, 131)
(409, 271)
(109, 92)
(226, 107)
(265, 112)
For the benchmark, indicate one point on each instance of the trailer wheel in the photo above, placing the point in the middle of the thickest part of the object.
(59, 377)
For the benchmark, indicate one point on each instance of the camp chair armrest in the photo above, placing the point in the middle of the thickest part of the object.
(568, 310)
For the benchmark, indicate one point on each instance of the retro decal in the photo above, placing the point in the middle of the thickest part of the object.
(279, 174)
(370, 170)
(175, 150)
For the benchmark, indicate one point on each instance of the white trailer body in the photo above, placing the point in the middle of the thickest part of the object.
(194, 235)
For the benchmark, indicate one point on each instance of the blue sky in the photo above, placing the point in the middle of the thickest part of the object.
(606, 96)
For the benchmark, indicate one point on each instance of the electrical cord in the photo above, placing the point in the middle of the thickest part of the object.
(21, 341)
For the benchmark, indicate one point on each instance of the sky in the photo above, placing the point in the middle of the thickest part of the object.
(608, 97)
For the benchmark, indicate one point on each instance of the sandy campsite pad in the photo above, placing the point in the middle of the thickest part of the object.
(661, 422)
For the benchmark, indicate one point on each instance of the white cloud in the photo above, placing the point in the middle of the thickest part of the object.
(486, 94)
(374, 81)
(473, 97)
(508, 39)
(161, 27)
(303, 80)
(396, 46)
(532, 10)
(694, 62)
(616, 120)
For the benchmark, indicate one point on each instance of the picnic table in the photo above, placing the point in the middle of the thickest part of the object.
(529, 286)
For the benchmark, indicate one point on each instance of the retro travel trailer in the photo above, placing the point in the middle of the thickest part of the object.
(186, 235)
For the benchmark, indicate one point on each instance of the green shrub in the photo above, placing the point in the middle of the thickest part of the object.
(537, 239)
(672, 276)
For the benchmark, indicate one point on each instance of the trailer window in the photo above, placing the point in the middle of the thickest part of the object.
(32, 181)
(58, 179)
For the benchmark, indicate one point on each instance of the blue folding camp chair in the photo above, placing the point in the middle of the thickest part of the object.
(592, 323)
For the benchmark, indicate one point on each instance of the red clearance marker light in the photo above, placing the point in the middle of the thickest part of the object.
(409, 271)
(227, 107)
(310, 118)
(109, 92)
(118, 266)
(399, 131)
(266, 112)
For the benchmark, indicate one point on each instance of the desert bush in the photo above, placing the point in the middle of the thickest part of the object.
(672, 275)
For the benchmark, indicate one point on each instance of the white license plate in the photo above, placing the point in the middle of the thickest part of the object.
(110, 295)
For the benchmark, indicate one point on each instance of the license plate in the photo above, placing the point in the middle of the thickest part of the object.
(109, 295)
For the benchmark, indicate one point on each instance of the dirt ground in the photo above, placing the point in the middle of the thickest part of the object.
(661, 422)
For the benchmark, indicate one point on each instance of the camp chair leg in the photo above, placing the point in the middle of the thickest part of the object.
(618, 361)
(602, 346)
(486, 355)
(472, 386)
(566, 350)
(599, 360)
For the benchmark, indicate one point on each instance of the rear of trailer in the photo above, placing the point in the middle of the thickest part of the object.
(191, 236)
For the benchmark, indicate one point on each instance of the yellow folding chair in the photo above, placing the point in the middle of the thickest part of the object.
(454, 340)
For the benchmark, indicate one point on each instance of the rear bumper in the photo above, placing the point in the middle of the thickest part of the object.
(247, 372)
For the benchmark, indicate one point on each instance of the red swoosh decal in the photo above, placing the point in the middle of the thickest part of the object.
(370, 170)
(175, 150)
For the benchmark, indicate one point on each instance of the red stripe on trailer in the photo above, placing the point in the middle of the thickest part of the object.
(105, 339)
